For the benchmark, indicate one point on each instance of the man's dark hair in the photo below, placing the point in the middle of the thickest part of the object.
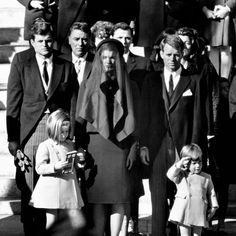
(40, 27)
(174, 41)
(123, 26)
(185, 31)
(83, 26)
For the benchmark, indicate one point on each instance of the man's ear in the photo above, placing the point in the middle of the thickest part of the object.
(31, 41)
(161, 54)
(68, 40)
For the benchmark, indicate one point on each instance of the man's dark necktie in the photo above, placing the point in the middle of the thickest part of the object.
(171, 85)
(45, 72)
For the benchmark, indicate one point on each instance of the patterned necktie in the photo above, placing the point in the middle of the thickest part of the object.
(78, 66)
(171, 85)
(45, 72)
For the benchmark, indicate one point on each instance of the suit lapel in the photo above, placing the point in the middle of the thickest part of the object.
(57, 72)
(87, 70)
(179, 90)
(88, 65)
(35, 74)
(165, 94)
(131, 62)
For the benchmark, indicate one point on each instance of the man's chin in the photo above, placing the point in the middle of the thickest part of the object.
(46, 53)
(172, 68)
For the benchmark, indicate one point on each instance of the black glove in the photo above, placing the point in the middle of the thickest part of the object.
(13, 146)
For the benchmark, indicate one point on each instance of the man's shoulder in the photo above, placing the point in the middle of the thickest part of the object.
(64, 55)
(152, 75)
(67, 56)
(139, 63)
(90, 57)
(24, 55)
(62, 58)
(195, 77)
(153, 78)
(138, 58)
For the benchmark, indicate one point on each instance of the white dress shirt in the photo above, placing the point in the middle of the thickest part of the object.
(175, 76)
(81, 62)
(125, 56)
(40, 62)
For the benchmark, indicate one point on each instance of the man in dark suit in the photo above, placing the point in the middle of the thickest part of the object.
(137, 68)
(47, 9)
(38, 84)
(174, 115)
(61, 14)
(80, 52)
(91, 11)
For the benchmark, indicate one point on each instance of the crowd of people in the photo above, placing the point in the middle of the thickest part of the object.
(165, 116)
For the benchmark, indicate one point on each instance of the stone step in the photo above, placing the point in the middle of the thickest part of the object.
(8, 169)
(5, 157)
(3, 96)
(232, 192)
(4, 73)
(10, 206)
(231, 209)
(12, 14)
(8, 51)
(12, 36)
(10, 225)
(8, 188)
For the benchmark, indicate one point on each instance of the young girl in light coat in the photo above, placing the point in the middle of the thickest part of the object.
(57, 190)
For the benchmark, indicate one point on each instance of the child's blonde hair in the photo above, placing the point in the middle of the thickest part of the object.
(54, 123)
(191, 150)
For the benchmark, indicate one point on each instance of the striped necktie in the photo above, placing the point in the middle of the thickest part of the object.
(78, 66)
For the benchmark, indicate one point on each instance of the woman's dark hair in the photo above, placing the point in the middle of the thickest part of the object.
(199, 42)
(112, 43)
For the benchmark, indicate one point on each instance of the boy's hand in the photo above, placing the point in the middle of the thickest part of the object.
(144, 155)
(131, 158)
(183, 163)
